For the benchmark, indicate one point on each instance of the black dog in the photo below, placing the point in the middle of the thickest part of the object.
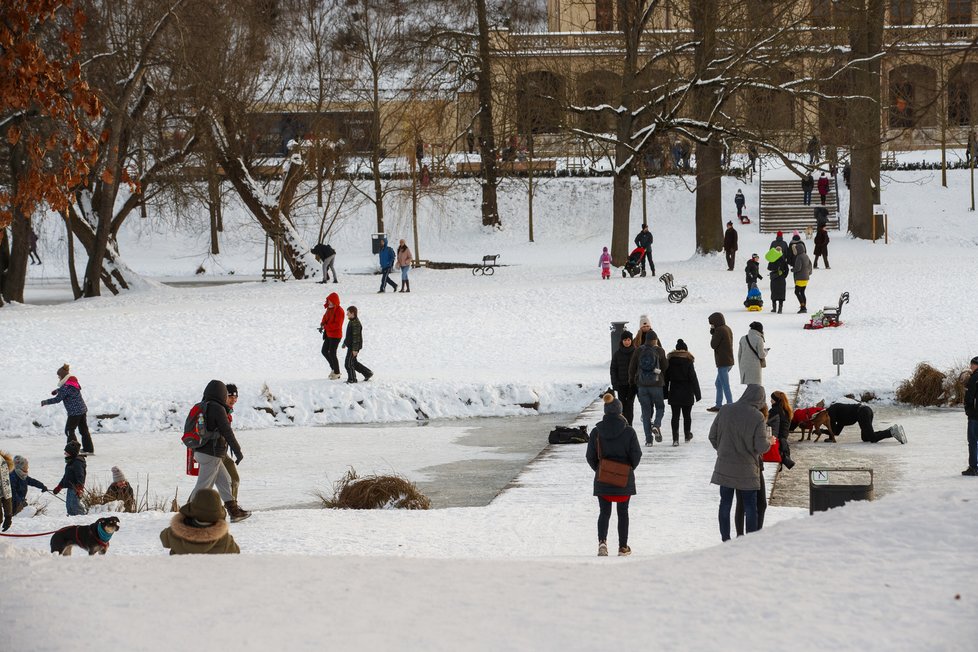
(94, 538)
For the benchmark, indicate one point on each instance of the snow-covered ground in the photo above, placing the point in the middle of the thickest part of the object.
(520, 572)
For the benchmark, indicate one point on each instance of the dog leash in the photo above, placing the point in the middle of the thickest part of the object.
(39, 534)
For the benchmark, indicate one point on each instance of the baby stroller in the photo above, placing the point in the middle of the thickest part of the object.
(633, 265)
(754, 301)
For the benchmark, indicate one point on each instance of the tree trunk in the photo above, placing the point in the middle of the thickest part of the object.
(375, 153)
(621, 208)
(487, 138)
(76, 290)
(709, 214)
(709, 218)
(20, 246)
(866, 40)
(214, 210)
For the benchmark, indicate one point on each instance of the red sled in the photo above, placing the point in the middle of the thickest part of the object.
(811, 326)
(744, 219)
(192, 467)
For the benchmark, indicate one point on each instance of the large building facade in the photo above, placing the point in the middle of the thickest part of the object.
(928, 70)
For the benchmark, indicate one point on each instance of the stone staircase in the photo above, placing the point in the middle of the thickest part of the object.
(783, 208)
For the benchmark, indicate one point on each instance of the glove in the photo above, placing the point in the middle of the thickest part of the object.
(57, 490)
(320, 329)
(237, 458)
(44, 489)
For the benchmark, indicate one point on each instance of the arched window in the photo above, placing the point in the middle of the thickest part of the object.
(772, 108)
(912, 96)
(539, 103)
(962, 94)
(596, 88)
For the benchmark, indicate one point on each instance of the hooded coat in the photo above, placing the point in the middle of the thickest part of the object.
(620, 362)
(682, 386)
(821, 243)
(216, 420)
(332, 322)
(739, 436)
(76, 471)
(722, 341)
(749, 357)
(200, 528)
(619, 442)
(778, 273)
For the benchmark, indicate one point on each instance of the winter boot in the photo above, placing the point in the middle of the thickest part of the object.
(402, 285)
(970, 471)
(624, 551)
(235, 512)
(602, 549)
(408, 284)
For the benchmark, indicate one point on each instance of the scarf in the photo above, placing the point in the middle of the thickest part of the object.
(103, 535)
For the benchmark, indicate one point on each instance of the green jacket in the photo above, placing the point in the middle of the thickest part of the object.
(184, 539)
(354, 334)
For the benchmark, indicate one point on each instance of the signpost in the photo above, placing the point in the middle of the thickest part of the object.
(838, 359)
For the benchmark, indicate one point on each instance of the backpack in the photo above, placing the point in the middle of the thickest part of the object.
(568, 435)
(195, 433)
(648, 366)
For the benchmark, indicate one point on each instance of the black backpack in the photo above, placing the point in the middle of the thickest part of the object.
(569, 435)
(648, 363)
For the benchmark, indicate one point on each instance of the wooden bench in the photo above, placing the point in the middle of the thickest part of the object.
(833, 313)
(488, 267)
(676, 294)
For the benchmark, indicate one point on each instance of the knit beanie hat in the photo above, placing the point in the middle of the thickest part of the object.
(73, 448)
(780, 235)
(757, 326)
(795, 234)
(117, 475)
(604, 249)
(681, 346)
(63, 370)
(974, 360)
(206, 507)
(627, 335)
(20, 462)
(612, 405)
(644, 319)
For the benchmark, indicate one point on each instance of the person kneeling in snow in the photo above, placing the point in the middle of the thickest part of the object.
(200, 528)
(846, 414)
(120, 489)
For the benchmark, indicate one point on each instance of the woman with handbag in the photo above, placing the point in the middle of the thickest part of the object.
(780, 421)
(761, 500)
(752, 356)
(613, 452)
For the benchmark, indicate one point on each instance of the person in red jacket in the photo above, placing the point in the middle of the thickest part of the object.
(823, 187)
(332, 329)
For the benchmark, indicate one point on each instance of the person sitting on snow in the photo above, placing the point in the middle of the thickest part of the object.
(120, 489)
(200, 528)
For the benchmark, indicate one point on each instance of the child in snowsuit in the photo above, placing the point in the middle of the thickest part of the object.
(20, 480)
(120, 489)
(73, 479)
(604, 262)
(353, 342)
(69, 391)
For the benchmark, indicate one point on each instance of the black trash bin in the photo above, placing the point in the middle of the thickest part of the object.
(828, 488)
(617, 328)
(377, 241)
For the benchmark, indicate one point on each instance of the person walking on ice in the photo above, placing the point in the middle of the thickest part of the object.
(69, 391)
(353, 344)
(209, 455)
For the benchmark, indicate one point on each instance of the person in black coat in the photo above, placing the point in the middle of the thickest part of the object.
(778, 273)
(619, 442)
(807, 186)
(644, 240)
(730, 245)
(327, 256)
(620, 380)
(779, 419)
(210, 454)
(753, 270)
(682, 389)
(971, 411)
(739, 202)
(779, 241)
(846, 414)
(822, 246)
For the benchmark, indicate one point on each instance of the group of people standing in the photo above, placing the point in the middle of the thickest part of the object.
(786, 257)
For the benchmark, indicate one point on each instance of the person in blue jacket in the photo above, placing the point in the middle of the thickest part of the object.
(20, 481)
(69, 391)
(387, 258)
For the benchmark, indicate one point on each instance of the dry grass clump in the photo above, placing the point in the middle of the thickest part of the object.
(94, 496)
(375, 492)
(931, 387)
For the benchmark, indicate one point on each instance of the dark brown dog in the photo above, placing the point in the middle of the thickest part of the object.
(817, 423)
(86, 537)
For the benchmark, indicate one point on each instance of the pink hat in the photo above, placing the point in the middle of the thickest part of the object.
(796, 233)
